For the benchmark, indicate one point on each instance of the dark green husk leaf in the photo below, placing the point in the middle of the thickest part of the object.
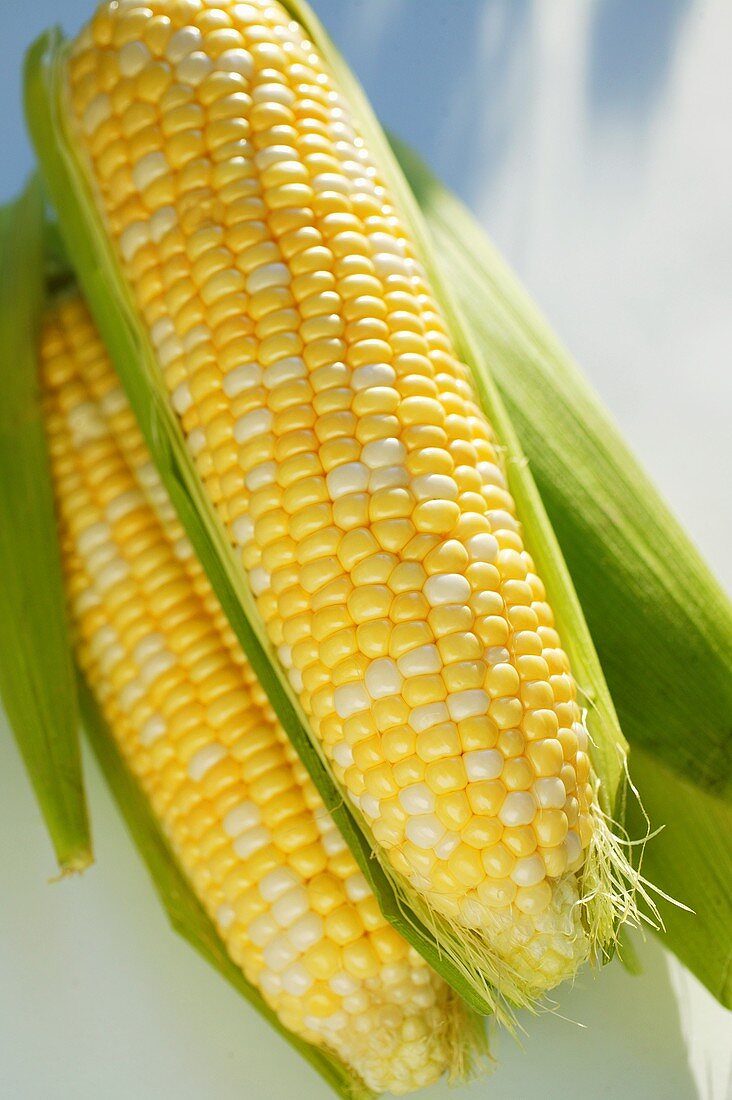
(690, 859)
(36, 673)
(661, 622)
(185, 912)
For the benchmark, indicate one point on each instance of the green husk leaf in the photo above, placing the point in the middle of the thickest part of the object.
(36, 672)
(662, 624)
(184, 910)
(460, 955)
(691, 859)
(130, 350)
(58, 275)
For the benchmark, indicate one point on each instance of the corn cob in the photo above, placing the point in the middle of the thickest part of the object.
(341, 444)
(196, 731)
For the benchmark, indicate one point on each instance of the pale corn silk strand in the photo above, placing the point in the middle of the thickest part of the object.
(342, 446)
(195, 728)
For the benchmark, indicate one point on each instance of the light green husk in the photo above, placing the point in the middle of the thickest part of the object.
(661, 623)
(36, 672)
(691, 859)
(459, 955)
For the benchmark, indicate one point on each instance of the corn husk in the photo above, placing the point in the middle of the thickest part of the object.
(460, 956)
(661, 623)
(36, 672)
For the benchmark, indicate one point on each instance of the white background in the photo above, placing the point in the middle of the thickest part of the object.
(593, 139)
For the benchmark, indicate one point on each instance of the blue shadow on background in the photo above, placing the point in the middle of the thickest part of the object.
(631, 47)
(437, 74)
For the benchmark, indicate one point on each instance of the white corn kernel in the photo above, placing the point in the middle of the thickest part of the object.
(428, 715)
(183, 42)
(384, 452)
(349, 699)
(519, 808)
(373, 374)
(528, 871)
(263, 929)
(550, 793)
(420, 661)
(194, 68)
(149, 168)
(243, 530)
(236, 61)
(242, 817)
(206, 758)
(132, 239)
(482, 547)
(306, 931)
(468, 704)
(241, 378)
(252, 424)
(357, 888)
(417, 799)
(370, 806)
(249, 842)
(266, 276)
(425, 831)
(284, 370)
(279, 953)
(132, 58)
(154, 642)
(342, 754)
(291, 906)
(351, 477)
(277, 883)
(296, 980)
(436, 487)
(225, 916)
(446, 588)
(383, 678)
(483, 764)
